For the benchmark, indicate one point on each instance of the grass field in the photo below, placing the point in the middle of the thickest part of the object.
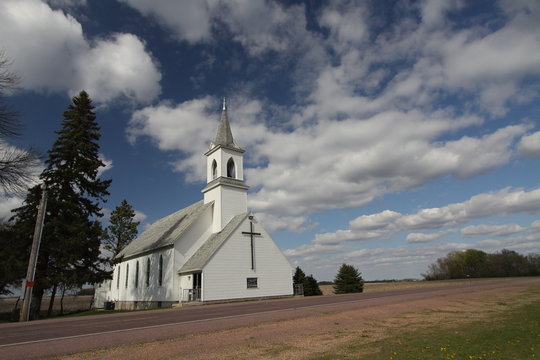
(503, 330)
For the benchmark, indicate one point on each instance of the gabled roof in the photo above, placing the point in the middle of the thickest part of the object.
(165, 231)
(201, 257)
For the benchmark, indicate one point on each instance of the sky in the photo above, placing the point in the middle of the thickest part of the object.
(382, 134)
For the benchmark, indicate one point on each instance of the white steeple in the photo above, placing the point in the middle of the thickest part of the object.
(225, 175)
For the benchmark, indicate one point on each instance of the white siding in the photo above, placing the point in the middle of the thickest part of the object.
(225, 275)
(141, 292)
(191, 240)
(228, 202)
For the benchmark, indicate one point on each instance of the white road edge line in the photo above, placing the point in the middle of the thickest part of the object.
(187, 322)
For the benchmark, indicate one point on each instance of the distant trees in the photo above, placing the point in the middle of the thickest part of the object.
(16, 165)
(70, 247)
(310, 285)
(476, 263)
(122, 228)
(348, 280)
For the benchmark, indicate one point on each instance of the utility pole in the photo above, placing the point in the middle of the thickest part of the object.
(31, 272)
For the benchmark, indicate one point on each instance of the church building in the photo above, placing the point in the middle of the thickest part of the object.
(213, 250)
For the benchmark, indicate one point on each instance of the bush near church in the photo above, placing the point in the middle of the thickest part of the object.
(348, 280)
(310, 285)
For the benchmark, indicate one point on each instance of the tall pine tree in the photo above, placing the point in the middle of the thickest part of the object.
(122, 229)
(348, 280)
(72, 234)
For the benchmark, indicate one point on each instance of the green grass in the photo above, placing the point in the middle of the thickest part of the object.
(512, 334)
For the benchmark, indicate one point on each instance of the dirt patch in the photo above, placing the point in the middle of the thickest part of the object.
(301, 338)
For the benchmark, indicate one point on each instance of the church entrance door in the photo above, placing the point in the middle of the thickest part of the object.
(197, 279)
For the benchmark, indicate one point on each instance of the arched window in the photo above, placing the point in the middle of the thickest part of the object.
(231, 169)
(148, 272)
(118, 278)
(127, 273)
(137, 274)
(160, 270)
(214, 169)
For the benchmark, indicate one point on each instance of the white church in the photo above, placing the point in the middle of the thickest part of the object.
(213, 250)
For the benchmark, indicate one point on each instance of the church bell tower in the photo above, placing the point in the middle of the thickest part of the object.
(225, 176)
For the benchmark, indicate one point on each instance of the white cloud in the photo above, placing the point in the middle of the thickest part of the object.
(262, 26)
(529, 145)
(190, 20)
(108, 164)
(50, 53)
(385, 224)
(493, 230)
(8, 203)
(295, 224)
(375, 221)
(139, 216)
(502, 202)
(433, 11)
(535, 226)
(317, 249)
(414, 238)
(118, 67)
(347, 25)
(258, 25)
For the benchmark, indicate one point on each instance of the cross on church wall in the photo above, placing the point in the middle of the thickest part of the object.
(251, 233)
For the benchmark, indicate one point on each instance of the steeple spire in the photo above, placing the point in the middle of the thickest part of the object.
(224, 135)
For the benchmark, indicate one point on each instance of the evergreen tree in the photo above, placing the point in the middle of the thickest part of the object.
(11, 259)
(309, 284)
(122, 229)
(299, 276)
(311, 287)
(348, 280)
(17, 166)
(70, 246)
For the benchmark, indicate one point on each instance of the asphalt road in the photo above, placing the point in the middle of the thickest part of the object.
(53, 337)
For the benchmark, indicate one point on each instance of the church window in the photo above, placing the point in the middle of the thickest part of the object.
(252, 283)
(118, 278)
(160, 270)
(148, 272)
(127, 274)
(231, 168)
(214, 169)
(137, 275)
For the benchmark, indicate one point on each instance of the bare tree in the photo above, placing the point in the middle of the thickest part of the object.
(16, 165)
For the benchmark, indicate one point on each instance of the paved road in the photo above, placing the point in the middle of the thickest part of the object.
(62, 336)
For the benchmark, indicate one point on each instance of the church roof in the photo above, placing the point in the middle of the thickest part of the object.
(165, 231)
(224, 134)
(199, 259)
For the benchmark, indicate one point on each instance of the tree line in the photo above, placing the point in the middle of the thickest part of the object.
(70, 253)
(474, 263)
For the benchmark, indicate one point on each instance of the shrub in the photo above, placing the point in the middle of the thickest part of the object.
(348, 280)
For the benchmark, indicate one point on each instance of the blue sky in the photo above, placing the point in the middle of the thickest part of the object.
(383, 134)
